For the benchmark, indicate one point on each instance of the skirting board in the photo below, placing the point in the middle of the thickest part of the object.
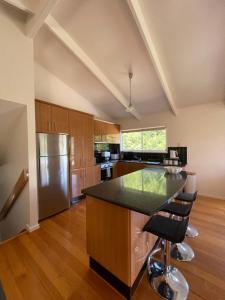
(32, 228)
(212, 196)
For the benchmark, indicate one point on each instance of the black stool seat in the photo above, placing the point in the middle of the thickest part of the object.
(187, 197)
(166, 228)
(178, 209)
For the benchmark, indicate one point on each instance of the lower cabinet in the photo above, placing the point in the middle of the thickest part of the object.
(83, 178)
(115, 170)
(77, 182)
(124, 168)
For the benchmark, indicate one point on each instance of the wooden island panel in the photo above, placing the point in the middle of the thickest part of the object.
(115, 238)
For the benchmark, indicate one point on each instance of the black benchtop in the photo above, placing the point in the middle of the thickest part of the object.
(146, 191)
(146, 162)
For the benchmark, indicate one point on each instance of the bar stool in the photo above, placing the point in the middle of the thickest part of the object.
(189, 198)
(180, 251)
(165, 279)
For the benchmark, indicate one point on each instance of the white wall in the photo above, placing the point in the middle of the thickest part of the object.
(14, 160)
(49, 88)
(202, 130)
(17, 85)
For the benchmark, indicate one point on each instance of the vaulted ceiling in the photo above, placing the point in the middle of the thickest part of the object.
(176, 50)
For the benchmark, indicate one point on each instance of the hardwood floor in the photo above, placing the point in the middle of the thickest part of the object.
(51, 263)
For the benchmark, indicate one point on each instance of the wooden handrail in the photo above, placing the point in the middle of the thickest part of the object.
(17, 189)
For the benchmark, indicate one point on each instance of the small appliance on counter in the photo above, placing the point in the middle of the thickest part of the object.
(106, 155)
(115, 156)
(173, 154)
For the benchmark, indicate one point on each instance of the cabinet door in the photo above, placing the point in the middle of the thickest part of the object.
(89, 176)
(88, 141)
(76, 141)
(115, 170)
(60, 119)
(126, 168)
(43, 117)
(103, 130)
(77, 182)
(97, 174)
(97, 131)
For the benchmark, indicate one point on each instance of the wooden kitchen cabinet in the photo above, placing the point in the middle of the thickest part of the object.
(77, 182)
(88, 140)
(124, 168)
(115, 170)
(97, 175)
(43, 117)
(81, 128)
(51, 118)
(92, 176)
(106, 132)
(76, 138)
(60, 119)
(84, 178)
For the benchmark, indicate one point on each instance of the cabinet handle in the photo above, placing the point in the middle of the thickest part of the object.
(49, 126)
(54, 126)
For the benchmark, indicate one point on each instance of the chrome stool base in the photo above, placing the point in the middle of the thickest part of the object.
(182, 252)
(168, 281)
(191, 232)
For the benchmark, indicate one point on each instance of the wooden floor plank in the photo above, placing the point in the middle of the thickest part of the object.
(52, 263)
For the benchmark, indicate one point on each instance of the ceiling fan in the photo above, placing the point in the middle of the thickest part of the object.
(130, 108)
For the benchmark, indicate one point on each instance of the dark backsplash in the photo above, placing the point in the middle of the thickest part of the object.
(113, 148)
(158, 157)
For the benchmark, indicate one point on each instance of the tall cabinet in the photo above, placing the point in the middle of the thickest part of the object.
(52, 118)
(81, 128)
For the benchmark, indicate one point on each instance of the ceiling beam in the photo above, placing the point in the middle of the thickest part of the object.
(147, 38)
(22, 5)
(73, 46)
(37, 20)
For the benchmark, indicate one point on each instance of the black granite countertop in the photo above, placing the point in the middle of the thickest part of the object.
(146, 191)
(147, 162)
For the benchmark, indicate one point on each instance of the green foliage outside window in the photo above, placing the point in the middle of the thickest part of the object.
(146, 140)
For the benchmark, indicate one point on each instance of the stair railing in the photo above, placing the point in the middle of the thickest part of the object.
(17, 189)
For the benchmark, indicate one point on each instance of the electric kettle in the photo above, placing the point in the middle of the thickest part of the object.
(173, 154)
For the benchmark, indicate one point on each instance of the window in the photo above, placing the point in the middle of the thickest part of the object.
(144, 140)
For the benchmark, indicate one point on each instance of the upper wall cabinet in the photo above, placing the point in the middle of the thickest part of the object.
(106, 132)
(43, 117)
(60, 119)
(51, 118)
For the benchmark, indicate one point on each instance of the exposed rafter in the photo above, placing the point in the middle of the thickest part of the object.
(73, 46)
(22, 5)
(144, 31)
(38, 19)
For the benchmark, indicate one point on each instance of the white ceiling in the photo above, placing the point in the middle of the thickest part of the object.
(106, 31)
(190, 40)
(188, 36)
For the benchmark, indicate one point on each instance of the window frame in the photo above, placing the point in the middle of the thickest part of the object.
(144, 129)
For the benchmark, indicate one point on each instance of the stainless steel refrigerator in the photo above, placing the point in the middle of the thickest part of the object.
(53, 173)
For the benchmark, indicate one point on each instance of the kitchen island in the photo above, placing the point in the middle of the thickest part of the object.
(116, 213)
